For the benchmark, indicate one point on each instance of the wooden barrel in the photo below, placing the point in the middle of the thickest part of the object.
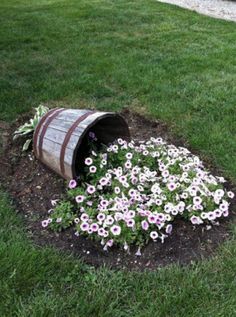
(58, 137)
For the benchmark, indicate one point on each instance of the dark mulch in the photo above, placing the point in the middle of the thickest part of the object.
(32, 186)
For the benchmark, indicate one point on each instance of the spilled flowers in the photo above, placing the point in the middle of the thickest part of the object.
(133, 191)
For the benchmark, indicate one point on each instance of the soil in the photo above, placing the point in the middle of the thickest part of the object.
(32, 186)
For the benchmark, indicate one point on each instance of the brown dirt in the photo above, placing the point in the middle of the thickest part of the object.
(32, 186)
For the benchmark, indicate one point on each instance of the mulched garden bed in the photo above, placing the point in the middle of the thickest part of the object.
(32, 186)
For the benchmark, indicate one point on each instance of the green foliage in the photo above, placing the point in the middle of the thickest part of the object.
(29, 127)
(63, 216)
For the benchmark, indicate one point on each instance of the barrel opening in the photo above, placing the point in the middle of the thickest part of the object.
(107, 129)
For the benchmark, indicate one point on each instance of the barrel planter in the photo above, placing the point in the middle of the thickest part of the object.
(59, 137)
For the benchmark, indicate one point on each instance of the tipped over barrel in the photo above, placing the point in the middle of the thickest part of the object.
(60, 134)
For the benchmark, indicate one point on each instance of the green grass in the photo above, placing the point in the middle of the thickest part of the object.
(178, 65)
(170, 63)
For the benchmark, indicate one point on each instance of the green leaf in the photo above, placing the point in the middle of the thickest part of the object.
(15, 137)
(26, 145)
(30, 126)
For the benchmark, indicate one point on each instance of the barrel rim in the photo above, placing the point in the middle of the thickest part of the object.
(103, 116)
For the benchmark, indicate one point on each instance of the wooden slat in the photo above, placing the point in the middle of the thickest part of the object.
(69, 115)
(38, 128)
(44, 130)
(68, 136)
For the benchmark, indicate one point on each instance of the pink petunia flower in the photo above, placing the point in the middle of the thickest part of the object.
(211, 216)
(103, 181)
(224, 206)
(120, 141)
(84, 217)
(117, 190)
(44, 223)
(92, 169)
(197, 200)
(132, 192)
(101, 217)
(134, 180)
(165, 173)
(76, 220)
(218, 213)
(84, 226)
(91, 189)
(145, 225)
(225, 213)
(154, 235)
(72, 184)
(101, 232)
(94, 227)
(130, 223)
(196, 220)
(152, 218)
(79, 199)
(230, 194)
(171, 186)
(110, 243)
(105, 234)
(169, 229)
(88, 161)
(109, 220)
(128, 165)
(131, 214)
(104, 203)
(129, 155)
(119, 216)
(116, 230)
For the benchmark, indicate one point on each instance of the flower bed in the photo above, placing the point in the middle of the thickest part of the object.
(132, 192)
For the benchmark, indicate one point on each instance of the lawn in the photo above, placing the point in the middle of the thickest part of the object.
(158, 60)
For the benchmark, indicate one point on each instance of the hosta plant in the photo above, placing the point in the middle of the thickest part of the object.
(132, 192)
(28, 128)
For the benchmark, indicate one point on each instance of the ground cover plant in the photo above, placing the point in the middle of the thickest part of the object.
(28, 128)
(130, 193)
(165, 62)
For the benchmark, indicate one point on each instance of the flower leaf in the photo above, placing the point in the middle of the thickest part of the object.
(26, 145)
